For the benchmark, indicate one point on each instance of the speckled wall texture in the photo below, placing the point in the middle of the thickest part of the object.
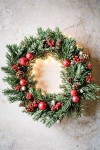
(79, 18)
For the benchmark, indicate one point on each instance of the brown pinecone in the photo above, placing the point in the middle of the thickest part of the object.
(75, 85)
(22, 104)
(86, 56)
(40, 45)
(58, 44)
(20, 74)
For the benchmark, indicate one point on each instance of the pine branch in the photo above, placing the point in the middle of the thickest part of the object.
(8, 70)
(10, 92)
(11, 80)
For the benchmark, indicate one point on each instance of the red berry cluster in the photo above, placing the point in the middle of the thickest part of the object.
(88, 66)
(17, 87)
(56, 106)
(28, 96)
(88, 78)
(50, 43)
(76, 59)
(31, 106)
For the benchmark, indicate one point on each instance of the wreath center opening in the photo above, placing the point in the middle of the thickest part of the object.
(47, 74)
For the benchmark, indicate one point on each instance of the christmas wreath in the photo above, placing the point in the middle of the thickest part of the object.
(75, 74)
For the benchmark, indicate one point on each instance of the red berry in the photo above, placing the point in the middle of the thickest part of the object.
(50, 43)
(73, 92)
(76, 59)
(42, 105)
(17, 87)
(23, 61)
(15, 67)
(35, 104)
(88, 66)
(75, 99)
(88, 78)
(53, 107)
(22, 82)
(29, 56)
(66, 63)
(28, 96)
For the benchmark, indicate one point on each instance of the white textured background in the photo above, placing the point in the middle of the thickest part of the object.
(79, 18)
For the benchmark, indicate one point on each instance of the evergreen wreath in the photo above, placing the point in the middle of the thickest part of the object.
(76, 76)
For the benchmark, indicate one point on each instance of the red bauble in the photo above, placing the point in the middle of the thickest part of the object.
(42, 105)
(75, 99)
(22, 82)
(28, 96)
(23, 61)
(73, 92)
(66, 63)
(29, 56)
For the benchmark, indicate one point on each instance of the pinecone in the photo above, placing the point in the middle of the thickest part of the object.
(86, 56)
(58, 44)
(75, 85)
(20, 74)
(22, 104)
(40, 45)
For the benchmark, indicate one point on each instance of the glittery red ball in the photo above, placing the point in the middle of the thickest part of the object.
(73, 92)
(75, 99)
(42, 105)
(66, 63)
(22, 82)
(29, 56)
(23, 61)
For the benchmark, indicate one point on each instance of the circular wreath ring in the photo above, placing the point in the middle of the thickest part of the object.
(76, 76)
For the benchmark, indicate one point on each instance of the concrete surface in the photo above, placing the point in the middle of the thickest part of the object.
(79, 18)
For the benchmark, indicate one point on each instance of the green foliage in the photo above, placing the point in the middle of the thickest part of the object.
(63, 48)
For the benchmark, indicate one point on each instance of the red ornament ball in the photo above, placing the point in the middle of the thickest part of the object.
(29, 56)
(22, 82)
(73, 92)
(42, 105)
(23, 61)
(28, 96)
(75, 99)
(66, 63)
